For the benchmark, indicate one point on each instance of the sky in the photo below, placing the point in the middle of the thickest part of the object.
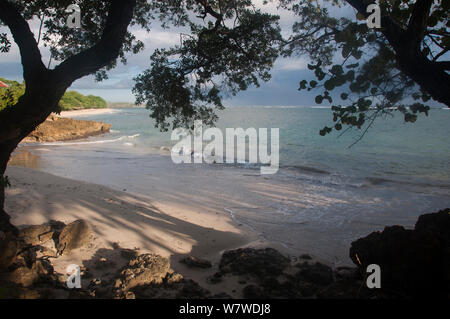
(281, 90)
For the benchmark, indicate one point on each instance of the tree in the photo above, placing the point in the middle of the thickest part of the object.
(10, 96)
(230, 46)
(379, 68)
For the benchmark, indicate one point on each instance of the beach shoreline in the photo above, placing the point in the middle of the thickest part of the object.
(86, 112)
(127, 220)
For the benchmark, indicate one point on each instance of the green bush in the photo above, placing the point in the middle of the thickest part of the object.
(72, 100)
(9, 96)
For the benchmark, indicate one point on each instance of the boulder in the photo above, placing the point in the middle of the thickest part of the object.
(57, 128)
(258, 262)
(36, 234)
(26, 276)
(74, 235)
(143, 270)
(195, 262)
(318, 274)
(414, 263)
(9, 247)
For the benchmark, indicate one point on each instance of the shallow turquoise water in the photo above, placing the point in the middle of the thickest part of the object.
(324, 195)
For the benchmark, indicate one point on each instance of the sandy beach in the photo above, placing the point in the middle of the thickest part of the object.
(86, 112)
(125, 219)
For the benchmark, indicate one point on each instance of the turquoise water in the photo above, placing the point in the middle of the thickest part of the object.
(391, 149)
(324, 196)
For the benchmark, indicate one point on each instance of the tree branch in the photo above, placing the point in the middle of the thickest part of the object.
(106, 50)
(29, 50)
(418, 21)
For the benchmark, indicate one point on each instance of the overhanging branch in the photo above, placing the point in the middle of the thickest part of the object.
(29, 50)
(106, 50)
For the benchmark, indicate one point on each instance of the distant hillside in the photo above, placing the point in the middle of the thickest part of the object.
(72, 100)
(120, 105)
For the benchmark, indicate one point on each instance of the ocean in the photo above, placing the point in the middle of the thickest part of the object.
(325, 194)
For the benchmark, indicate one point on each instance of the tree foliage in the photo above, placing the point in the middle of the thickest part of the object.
(230, 46)
(374, 70)
(10, 95)
(72, 100)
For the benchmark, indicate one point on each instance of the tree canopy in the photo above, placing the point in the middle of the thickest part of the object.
(229, 45)
(398, 67)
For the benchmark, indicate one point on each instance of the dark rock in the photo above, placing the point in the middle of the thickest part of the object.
(307, 289)
(26, 276)
(306, 257)
(9, 247)
(192, 290)
(436, 223)
(258, 262)
(317, 273)
(195, 262)
(253, 292)
(143, 270)
(75, 235)
(215, 279)
(36, 234)
(414, 263)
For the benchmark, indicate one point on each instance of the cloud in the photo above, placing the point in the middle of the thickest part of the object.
(290, 64)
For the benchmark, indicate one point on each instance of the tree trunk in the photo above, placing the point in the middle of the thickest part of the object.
(5, 224)
(44, 88)
(19, 121)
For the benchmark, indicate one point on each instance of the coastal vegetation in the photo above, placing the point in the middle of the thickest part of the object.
(71, 100)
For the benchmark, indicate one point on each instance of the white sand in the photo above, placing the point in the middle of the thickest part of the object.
(130, 220)
(86, 112)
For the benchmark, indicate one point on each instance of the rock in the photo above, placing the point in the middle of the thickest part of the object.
(307, 289)
(57, 128)
(36, 234)
(258, 262)
(436, 223)
(9, 248)
(192, 290)
(414, 263)
(318, 274)
(75, 235)
(174, 278)
(305, 257)
(145, 269)
(253, 292)
(215, 278)
(195, 262)
(26, 276)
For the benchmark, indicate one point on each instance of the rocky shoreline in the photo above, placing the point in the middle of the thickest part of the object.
(57, 128)
(414, 263)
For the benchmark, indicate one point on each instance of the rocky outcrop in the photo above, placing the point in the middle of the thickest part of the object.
(57, 128)
(414, 263)
(195, 262)
(259, 262)
(75, 235)
(268, 274)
